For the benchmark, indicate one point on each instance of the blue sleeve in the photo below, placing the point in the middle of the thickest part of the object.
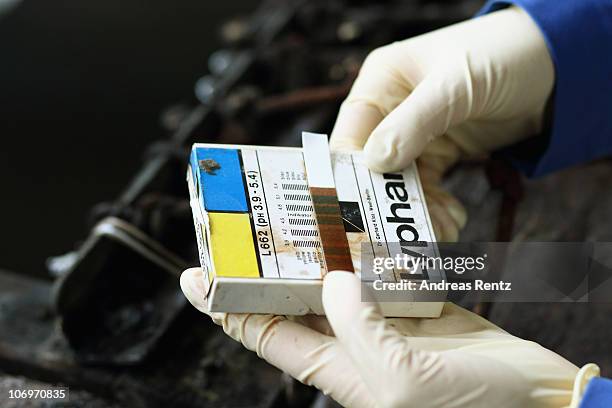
(579, 37)
(598, 394)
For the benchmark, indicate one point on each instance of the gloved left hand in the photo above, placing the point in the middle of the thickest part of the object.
(361, 359)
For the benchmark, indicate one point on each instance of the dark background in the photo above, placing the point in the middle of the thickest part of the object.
(82, 86)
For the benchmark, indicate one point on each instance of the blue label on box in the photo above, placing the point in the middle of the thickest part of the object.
(220, 181)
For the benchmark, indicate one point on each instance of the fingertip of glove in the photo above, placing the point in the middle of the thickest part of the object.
(347, 313)
(382, 157)
(335, 277)
(344, 144)
(376, 157)
(192, 285)
(340, 285)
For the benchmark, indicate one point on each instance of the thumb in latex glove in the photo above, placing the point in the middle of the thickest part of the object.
(463, 90)
(458, 360)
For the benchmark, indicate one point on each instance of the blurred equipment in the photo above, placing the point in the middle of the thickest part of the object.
(7, 5)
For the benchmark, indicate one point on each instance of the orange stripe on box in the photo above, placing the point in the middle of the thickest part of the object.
(336, 250)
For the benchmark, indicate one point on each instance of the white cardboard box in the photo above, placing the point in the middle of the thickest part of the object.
(258, 237)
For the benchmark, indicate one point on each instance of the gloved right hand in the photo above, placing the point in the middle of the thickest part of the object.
(460, 91)
(362, 359)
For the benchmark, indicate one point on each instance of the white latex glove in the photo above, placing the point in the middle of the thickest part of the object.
(458, 360)
(463, 90)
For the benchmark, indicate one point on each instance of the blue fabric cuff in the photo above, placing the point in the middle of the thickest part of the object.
(598, 394)
(579, 38)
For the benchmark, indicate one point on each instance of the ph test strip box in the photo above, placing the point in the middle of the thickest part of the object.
(259, 231)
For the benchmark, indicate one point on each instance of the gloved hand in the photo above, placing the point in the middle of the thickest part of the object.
(458, 360)
(463, 90)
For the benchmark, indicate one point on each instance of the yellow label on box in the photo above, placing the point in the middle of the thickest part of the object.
(233, 251)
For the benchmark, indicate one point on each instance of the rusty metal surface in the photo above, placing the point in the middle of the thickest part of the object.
(196, 367)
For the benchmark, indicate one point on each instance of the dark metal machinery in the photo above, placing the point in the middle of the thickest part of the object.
(114, 325)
